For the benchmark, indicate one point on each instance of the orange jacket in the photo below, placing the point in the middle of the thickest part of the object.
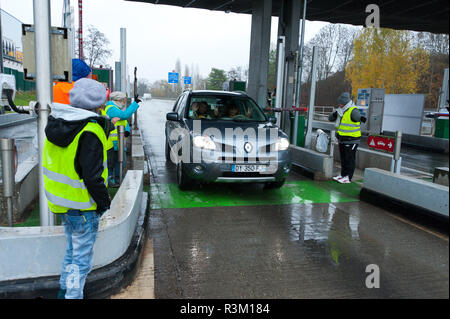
(61, 92)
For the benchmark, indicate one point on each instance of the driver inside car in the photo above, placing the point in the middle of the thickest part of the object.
(232, 111)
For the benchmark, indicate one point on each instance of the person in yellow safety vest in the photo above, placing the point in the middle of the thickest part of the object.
(110, 144)
(117, 108)
(76, 177)
(347, 120)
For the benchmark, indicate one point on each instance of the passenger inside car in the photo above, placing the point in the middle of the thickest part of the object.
(202, 110)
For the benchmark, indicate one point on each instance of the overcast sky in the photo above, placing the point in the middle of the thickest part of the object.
(158, 34)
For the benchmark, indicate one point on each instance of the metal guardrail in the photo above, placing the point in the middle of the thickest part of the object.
(14, 119)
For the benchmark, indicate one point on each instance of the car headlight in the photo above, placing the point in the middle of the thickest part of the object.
(204, 142)
(282, 144)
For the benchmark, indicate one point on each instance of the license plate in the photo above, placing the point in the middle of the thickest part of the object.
(248, 168)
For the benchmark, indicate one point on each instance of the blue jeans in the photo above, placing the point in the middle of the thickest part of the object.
(81, 232)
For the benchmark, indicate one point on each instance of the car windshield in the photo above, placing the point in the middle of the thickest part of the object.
(227, 108)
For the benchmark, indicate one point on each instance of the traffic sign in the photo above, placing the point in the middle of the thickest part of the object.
(187, 80)
(383, 143)
(173, 77)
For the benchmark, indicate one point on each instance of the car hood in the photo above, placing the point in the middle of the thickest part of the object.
(223, 125)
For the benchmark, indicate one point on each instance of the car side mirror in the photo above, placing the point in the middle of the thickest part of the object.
(273, 120)
(172, 116)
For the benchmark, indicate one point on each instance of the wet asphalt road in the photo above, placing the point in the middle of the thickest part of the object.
(305, 246)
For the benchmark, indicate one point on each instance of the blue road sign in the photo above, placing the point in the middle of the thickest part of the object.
(187, 80)
(173, 77)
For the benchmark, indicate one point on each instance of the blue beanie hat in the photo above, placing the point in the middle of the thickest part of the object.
(79, 69)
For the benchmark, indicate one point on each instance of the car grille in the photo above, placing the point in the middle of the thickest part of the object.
(254, 160)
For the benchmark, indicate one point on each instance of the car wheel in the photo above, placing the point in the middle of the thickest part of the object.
(274, 185)
(184, 182)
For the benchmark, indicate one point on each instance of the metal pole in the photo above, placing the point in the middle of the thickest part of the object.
(80, 30)
(41, 12)
(312, 95)
(299, 73)
(280, 76)
(398, 146)
(332, 137)
(1, 43)
(117, 77)
(123, 60)
(8, 173)
(120, 149)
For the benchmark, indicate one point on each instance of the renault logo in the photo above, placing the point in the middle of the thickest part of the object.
(248, 147)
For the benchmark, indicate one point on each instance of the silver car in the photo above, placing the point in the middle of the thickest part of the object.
(220, 136)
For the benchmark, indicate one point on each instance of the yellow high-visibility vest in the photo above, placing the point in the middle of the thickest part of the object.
(64, 188)
(109, 144)
(347, 127)
(113, 134)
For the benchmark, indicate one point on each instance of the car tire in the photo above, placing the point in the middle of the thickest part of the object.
(274, 185)
(183, 181)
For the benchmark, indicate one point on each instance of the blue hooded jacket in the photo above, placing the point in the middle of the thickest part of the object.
(122, 115)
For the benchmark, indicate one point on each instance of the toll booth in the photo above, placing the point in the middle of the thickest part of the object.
(237, 86)
(104, 76)
(370, 102)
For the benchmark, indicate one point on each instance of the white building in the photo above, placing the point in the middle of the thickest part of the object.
(11, 41)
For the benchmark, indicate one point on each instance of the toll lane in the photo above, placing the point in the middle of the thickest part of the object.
(306, 240)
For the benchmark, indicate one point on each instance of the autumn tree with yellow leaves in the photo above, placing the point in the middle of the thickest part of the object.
(389, 59)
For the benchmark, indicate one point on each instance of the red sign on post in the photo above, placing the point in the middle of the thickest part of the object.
(382, 143)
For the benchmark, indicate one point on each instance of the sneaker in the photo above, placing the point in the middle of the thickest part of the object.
(337, 178)
(114, 185)
(344, 180)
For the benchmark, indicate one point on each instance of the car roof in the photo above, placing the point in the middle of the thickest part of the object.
(217, 92)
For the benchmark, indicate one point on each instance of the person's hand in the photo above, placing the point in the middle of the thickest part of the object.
(195, 107)
(216, 111)
(114, 120)
(137, 99)
(363, 119)
(249, 113)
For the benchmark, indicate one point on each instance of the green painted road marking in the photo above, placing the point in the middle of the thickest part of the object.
(293, 192)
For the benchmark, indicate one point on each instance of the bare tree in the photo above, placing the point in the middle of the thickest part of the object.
(95, 47)
(334, 43)
(143, 86)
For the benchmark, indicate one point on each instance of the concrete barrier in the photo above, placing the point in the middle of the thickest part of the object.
(318, 165)
(428, 143)
(366, 158)
(31, 252)
(137, 152)
(441, 176)
(429, 197)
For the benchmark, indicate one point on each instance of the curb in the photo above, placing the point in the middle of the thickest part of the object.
(411, 212)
